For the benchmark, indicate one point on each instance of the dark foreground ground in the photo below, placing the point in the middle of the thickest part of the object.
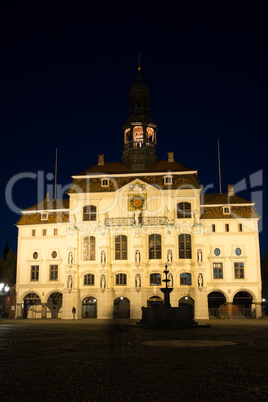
(96, 360)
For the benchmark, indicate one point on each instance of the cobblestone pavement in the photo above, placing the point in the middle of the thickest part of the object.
(100, 360)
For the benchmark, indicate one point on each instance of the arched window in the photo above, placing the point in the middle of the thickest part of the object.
(185, 279)
(89, 213)
(121, 279)
(185, 249)
(155, 279)
(154, 246)
(89, 280)
(121, 247)
(183, 210)
(89, 248)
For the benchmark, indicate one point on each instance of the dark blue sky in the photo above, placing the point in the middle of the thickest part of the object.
(66, 70)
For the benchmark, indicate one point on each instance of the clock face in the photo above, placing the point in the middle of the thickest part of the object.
(136, 202)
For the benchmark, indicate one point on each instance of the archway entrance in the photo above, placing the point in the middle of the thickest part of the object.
(243, 302)
(155, 301)
(217, 305)
(54, 304)
(89, 307)
(121, 307)
(187, 302)
(31, 306)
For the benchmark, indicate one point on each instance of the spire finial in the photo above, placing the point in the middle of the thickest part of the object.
(139, 76)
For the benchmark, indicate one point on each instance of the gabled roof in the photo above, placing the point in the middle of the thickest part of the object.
(111, 168)
(223, 199)
(49, 205)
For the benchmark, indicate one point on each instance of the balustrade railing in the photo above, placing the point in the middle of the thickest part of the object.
(140, 221)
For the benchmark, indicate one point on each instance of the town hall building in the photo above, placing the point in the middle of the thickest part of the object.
(103, 249)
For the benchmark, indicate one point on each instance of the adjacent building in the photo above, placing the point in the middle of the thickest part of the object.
(103, 249)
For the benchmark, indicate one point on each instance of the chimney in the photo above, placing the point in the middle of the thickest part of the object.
(230, 188)
(101, 160)
(170, 156)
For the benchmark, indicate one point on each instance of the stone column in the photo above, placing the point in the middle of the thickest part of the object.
(229, 309)
(18, 310)
(44, 310)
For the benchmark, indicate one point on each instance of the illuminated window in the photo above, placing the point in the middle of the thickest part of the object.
(183, 210)
(89, 248)
(168, 180)
(53, 272)
(44, 216)
(154, 246)
(121, 279)
(239, 270)
(89, 213)
(217, 270)
(226, 210)
(185, 279)
(105, 182)
(185, 248)
(34, 272)
(121, 247)
(155, 279)
(89, 280)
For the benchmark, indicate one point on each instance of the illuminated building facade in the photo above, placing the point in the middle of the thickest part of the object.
(103, 250)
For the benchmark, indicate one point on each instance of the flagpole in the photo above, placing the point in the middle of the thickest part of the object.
(56, 168)
(219, 162)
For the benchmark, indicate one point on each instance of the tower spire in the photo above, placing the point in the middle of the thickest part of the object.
(139, 130)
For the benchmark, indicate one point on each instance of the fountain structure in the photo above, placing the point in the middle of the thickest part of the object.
(166, 316)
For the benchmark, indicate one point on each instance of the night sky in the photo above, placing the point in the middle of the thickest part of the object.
(66, 70)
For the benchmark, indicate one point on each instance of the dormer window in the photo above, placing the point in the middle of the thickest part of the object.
(105, 182)
(226, 210)
(44, 216)
(168, 180)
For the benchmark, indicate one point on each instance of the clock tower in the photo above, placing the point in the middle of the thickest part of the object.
(139, 130)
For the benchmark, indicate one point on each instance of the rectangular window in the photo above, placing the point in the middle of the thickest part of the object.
(154, 246)
(185, 248)
(89, 213)
(227, 227)
(240, 227)
(213, 228)
(53, 272)
(89, 280)
(217, 270)
(121, 247)
(33, 232)
(239, 270)
(121, 279)
(34, 272)
(55, 232)
(44, 232)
